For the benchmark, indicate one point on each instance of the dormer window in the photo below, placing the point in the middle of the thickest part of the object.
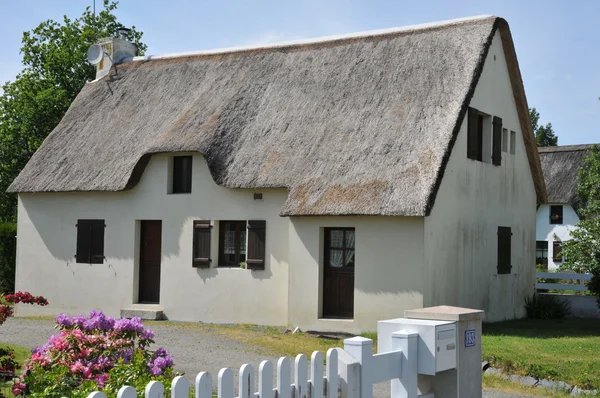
(556, 214)
(182, 174)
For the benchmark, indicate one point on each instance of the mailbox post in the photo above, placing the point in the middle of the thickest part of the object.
(448, 349)
(465, 380)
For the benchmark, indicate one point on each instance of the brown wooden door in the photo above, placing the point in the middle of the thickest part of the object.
(150, 255)
(338, 273)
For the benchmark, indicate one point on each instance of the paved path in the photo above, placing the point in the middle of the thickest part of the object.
(193, 349)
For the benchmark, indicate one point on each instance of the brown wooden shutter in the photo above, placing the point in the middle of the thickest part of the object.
(497, 141)
(97, 242)
(201, 251)
(473, 134)
(256, 245)
(84, 237)
(504, 250)
(557, 251)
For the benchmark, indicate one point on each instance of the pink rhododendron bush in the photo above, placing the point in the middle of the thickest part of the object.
(95, 353)
(7, 356)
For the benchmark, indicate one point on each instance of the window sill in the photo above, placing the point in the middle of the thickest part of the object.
(178, 193)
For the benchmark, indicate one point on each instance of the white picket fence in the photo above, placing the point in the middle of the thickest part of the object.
(563, 276)
(349, 373)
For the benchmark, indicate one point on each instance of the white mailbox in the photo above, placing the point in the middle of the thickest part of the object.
(436, 347)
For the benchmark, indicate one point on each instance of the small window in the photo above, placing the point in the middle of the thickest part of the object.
(504, 250)
(556, 214)
(182, 174)
(541, 252)
(201, 250)
(90, 241)
(504, 140)
(339, 247)
(483, 137)
(232, 243)
(513, 142)
(557, 256)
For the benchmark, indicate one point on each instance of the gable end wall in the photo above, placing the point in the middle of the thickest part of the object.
(473, 200)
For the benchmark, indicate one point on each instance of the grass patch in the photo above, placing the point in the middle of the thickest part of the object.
(495, 382)
(565, 349)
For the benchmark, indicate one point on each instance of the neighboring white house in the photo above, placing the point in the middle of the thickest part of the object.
(556, 219)
(324, 184)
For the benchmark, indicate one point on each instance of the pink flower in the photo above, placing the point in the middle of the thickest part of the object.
(87, 373)
(101, 379)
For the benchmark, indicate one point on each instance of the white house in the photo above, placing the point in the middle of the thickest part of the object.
(324, 184)
(556, 219)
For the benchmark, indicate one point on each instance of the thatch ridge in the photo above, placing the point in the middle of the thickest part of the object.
(356, 126)
(560, 165)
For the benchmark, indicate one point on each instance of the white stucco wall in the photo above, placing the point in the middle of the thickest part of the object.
(546, 231)
(388, 270)
(473, 200)
(47, 244)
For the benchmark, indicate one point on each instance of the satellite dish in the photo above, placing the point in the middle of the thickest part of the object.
(95, 54)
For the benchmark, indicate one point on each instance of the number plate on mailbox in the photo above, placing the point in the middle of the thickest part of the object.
(470, 338)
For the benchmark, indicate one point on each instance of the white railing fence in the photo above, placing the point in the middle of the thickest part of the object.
(562, 276)
(349, 373)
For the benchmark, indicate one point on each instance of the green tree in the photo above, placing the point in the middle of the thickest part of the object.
(582, 252)
(544, 135)
(55, 70)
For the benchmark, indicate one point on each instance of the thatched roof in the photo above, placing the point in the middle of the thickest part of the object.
(560, 165)
(362, 124)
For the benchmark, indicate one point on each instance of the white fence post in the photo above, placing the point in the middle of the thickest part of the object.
(180, 388)
(284, 378)
(246, 381)
(97, 394)
(126, 392)
(225, 383)
(265, 380)
(154, 389)
(331, 373)
(203, 385)
(301, 376)
(362, 349)
(316, 375)
(406, 387)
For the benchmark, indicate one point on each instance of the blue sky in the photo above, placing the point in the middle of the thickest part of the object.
(557, 42)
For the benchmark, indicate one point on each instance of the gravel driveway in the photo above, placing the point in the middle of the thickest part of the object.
(193, 349)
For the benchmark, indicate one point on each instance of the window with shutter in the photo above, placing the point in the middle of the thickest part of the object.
(201, 251)
(474, 130)
(513, 142)
(182, 174)
(232, 243)
(256, 244)
(90, 241)
(504, 250)
(497, 141)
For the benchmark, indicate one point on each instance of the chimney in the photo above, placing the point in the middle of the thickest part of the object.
(116, 50)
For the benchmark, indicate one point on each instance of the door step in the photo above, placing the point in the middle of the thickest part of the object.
(144, 311)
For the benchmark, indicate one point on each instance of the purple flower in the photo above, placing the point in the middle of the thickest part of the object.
(160, 362)
(64, 321)
(133, 324)
(39, 350)
(147, 334)
(160, 352)
(156, 371)
(126, 355)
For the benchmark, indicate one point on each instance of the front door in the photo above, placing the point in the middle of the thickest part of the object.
(150, 254)
(338, 273)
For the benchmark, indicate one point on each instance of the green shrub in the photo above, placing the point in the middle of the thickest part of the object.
(594, 285)
(8, 248)
(546, 307)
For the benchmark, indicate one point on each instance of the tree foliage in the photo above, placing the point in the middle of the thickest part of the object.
(54, 71)
(544, 135)
(582, 252)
